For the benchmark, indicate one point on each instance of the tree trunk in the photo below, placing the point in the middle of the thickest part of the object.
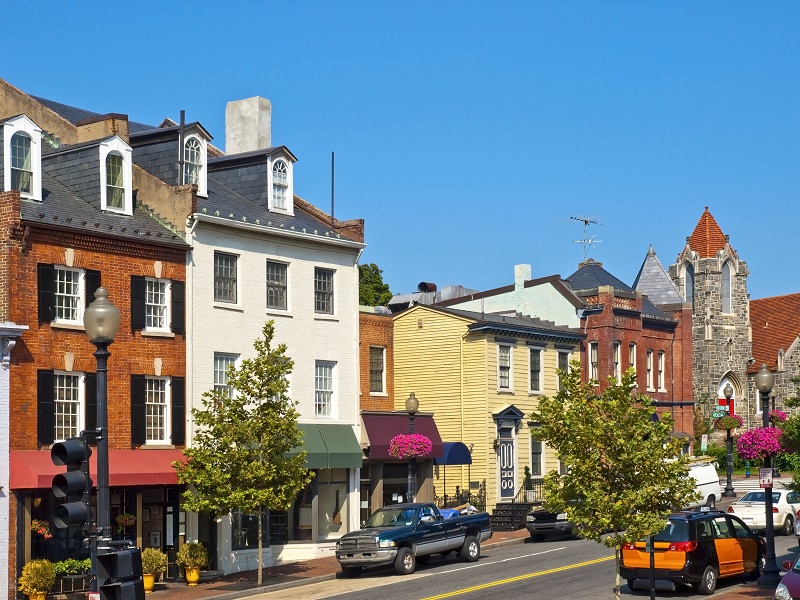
(617, 580)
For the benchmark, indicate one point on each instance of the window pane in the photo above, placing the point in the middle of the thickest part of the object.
(156, 304)
(221, 364)
(504, 367)
(192, 161)
(376, 370)
(224, 277)
(156, 410)
(536, 367)
(323, 291)
(67, 405)
(280, 184)
(21, 168)
(115, 189)
(323, 389)
(276, 285)
(67, 292)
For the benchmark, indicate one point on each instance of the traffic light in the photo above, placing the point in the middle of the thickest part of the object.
(119, 574)
(75, 485)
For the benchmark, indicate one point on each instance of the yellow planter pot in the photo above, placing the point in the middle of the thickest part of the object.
(149, 581)
(37, 596)
(192, 575)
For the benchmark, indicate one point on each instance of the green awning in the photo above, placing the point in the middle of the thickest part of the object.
(344, 451)
(329, 446)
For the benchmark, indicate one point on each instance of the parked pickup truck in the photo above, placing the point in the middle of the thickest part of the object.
(541, 522)
(404, 534)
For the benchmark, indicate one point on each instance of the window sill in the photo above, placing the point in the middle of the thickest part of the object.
(379, 394)
(318, 317)
(231, 307)
(67, 326)
(277, 312)
(651, 389)
(505, 391)
(157, 446)
(535, 392)
(161, 334)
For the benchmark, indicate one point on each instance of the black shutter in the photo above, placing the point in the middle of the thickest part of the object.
(178, 411)
(47, 303)
(137, 302)
(45, 411)
(178, 307)
(138, 433)
(91, 400)
(92, 283)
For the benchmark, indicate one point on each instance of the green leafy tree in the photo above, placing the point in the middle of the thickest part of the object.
(239, 457)
(790, 440)
(624, 473)
(372, 291)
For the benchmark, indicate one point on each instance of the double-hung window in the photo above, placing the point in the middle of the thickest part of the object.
(21, 163)
(661, 365)
(68, 295)
(68, 405)
(221, 363)
(617, 366)
(157, 419)
(649, 363)
(323, 291)
(225, 277)
(593, 368)
(504, 367)
(157, 304)
(632, 356)
(563, 365)
(536, 370)
(323, 388)
(115, 182)
(377, 372)
(276, 285)
(280, 184)
(192, 161)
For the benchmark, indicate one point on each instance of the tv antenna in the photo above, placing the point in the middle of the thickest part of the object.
(588, 242)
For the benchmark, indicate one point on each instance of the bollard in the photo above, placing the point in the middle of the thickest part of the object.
(747, 468)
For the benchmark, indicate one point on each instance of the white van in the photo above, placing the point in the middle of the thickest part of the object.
(704, 472)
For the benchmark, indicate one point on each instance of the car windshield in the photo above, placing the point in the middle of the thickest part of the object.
(675, 531)
(392, 516)
(760, 497)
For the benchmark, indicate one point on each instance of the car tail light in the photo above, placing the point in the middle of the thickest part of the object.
(774, 509)
(683, 546)
(798, 514)
(730, 510)
(630, 546)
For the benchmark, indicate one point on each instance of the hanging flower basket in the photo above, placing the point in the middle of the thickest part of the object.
(759, 443)
(777, 417)
(42, 528)
(409, 445)
(728, 422)
(125, 520)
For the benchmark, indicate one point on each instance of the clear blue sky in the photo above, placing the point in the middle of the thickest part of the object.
(468, 133)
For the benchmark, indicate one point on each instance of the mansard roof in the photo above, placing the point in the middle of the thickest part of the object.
(775, 324)
(654, 282)
(707, 238)
(591, 275)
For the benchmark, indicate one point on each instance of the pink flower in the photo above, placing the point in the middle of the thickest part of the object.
(760, 442)
(409, 445)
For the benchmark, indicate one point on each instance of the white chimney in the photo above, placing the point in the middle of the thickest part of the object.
(522, 273)
(248, 125)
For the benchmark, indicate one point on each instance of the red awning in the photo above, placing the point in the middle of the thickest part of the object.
(381, 428)
(33, 469)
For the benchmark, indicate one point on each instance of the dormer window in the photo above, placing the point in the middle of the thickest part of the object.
(22, 166)
(21, 163)
(280, 184)
(194, 163)
(116, 175)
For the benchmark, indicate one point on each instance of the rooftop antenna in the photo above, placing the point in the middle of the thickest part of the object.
(590, 241)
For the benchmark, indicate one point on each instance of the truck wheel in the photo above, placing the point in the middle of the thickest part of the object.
(708, 583)
(538, 537)
(471, 550)
(711, 502)
(404, 562)
(351, 571)
(630, 584)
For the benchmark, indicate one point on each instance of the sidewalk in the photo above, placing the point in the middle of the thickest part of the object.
(241, 585)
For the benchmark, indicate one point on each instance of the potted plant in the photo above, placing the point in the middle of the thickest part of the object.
(759, 443)
(192, 556)
(530, 494)
(154, 561)
(409, 445)
(125, 520)
(38, 576)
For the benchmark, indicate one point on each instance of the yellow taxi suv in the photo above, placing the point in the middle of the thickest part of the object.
(696, 549)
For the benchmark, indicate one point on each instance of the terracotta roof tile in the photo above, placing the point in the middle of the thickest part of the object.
(707, 238)
(776, 324)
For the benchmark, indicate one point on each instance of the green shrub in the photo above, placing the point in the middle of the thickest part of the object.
(192, 555)
(37, 576)
(153, 561)
(72, 566)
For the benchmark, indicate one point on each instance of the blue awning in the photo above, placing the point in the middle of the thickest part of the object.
(455, 453)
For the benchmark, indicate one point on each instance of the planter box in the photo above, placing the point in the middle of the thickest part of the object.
(70, 584)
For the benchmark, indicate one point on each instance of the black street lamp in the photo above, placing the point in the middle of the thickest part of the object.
(775, 472)
(412, 405)
(770, 577)
(101, 321)
(729, 491)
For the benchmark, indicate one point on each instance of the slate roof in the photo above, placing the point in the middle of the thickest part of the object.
(652, 311)
(707, 238)
(61, 208)
(517, 323)
(73, 114)
(654, 282)
(775, 324)
(592, 275)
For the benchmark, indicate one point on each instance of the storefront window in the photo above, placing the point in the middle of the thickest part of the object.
(245, 529)
(332, 506)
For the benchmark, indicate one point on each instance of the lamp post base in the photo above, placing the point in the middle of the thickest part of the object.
(771, 577)
(729, 492)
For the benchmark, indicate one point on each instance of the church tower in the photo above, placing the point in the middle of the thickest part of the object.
(710, 276)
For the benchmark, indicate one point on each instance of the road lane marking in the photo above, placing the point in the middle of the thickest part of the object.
(485, 563)
(484, 586)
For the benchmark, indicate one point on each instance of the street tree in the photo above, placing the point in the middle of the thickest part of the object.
(239, 457)
(624, 473)
(372, 291)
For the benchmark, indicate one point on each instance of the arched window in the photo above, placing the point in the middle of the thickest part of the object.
(192, 160)
(115, 182)
(280, 184)
(21, 163)
(688, 284)
(726, 288)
